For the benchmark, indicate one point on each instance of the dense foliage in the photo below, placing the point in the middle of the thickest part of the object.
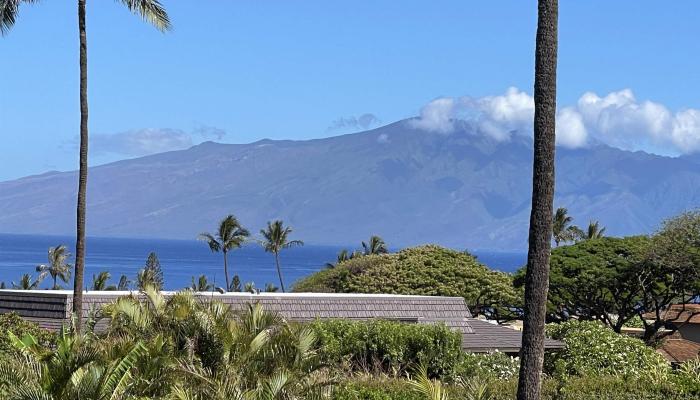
(175, 347)
(182, 347)
(595, 279)
(13, 323)
(389, 347)
(617, 280)
(593, 349)
(425, 270)
(492, 365)
(573, 388)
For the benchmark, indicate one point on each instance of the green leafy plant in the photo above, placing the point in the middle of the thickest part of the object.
(388, 346)
(593, 349)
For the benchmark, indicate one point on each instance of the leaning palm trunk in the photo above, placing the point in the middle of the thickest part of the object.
(279, 271)
(537, 275)
(82, 175)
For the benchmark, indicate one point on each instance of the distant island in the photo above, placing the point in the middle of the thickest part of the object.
(460, 190)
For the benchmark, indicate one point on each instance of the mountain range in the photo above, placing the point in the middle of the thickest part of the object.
(410, 186)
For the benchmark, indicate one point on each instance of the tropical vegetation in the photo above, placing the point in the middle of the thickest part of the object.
(424, 270)
(229, 235)
(275, 239)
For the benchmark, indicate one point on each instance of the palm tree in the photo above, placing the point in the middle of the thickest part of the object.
(151, 11)
(72, 371)
(270, 288)
(276, 239)
(343, 255)
(561, 229)
(594, 231)
(231, 235)
(100, 281)
(540, 237)
(124, 283)
(57, 267)
(26, 283)
(201, 285)
(375, 245)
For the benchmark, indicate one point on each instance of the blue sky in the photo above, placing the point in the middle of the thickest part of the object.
(239, 71)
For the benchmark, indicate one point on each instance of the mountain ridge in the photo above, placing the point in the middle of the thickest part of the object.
(462, 189)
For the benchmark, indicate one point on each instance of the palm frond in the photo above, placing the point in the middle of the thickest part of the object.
(151, 11)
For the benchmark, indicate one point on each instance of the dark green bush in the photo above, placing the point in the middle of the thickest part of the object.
(574, 388)
(376, 389)
(12, 322)
(425, 270)
(389, 346)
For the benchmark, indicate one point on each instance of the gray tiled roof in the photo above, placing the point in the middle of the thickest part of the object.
(51, 309)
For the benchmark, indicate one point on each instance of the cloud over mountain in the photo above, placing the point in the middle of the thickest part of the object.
(141, 142)
(617, 119)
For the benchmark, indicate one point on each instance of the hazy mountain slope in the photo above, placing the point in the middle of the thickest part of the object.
(408, 185)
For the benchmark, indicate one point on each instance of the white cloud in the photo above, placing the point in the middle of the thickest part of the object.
(617, 119)
(571, 131)
(141, 142)
(437, 116)
(352, 123)
(496, 116)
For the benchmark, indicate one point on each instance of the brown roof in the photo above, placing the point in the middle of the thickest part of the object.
(52, 309)
(679, 313)
(679, 350)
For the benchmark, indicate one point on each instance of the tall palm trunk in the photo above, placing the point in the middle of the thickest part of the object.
(82, 180)
(228, 282)
(279, 271)
(539, 248)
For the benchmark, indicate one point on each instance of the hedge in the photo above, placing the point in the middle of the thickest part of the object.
(390, 347)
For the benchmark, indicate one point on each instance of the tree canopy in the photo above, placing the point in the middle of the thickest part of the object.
(595, 279)
(424, 270)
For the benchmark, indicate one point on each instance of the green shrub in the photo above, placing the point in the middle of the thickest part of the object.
(574, 388)
(425, 270)
(12, 322)
(593, 349)
(495, 365)
(376, 389)
(389, 346)
(687, 377)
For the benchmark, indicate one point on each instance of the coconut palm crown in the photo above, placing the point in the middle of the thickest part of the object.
(230, 235)
(275, 239)
(57, 268)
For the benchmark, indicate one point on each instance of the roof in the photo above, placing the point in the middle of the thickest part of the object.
(52, 309)
(488, 336)
(679, 313)
(679, 350)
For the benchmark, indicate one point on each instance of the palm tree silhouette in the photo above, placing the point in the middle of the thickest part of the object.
(276, 238)
(101, 281)
(594, 231)
(561, 229)
(230, 235)
(375, 245)
(57, 268)
(26, 283)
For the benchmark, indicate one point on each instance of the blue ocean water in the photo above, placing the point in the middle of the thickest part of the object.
(183, 259)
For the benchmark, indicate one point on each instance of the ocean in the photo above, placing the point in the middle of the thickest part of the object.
(183, 259)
